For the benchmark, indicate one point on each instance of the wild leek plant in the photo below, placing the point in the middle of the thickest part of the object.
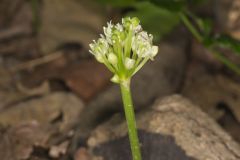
(124, 49)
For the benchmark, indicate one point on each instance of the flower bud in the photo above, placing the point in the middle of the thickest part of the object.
(129, 63)
(112, 58)
(154, 51)
(115, 79)
(99, 58)
(135, 22)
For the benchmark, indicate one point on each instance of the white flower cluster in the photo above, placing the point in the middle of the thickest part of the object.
(124, 48)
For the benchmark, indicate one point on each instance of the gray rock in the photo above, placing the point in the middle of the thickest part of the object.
(159, 146)
(179, 127)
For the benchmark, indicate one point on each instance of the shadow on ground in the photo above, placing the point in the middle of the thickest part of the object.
(154, 147)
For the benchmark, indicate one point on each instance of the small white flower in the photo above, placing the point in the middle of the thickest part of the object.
(138, 29)
(108, 32)
(99, 58)
(129, 63)
(119, 27)
(154, 51)
(143, 36)
(113, 50)
(112, 58)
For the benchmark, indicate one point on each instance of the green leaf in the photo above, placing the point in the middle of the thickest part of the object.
(156, 20)
(197, 2)
(205, 26)
(223, 41)
(117, 3)
(176, 5)
(228, 42)
(173, 5)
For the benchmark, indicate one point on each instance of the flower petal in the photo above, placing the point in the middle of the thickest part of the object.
(115, 79)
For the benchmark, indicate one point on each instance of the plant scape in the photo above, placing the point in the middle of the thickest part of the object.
(124, 49)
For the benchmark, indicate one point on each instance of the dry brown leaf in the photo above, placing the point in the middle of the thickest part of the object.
(82, 154)
(80, 21)
(17, 142)
(86, 79)
(45, 110)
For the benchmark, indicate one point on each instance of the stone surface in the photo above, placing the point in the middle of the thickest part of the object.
(154, 146)
(173, 119)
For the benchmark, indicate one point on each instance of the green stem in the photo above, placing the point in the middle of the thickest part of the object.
(191, 28)
(198, 36)
(227, 62)
(36, 18)
(130, 117)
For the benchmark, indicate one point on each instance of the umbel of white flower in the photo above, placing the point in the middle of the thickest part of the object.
(124, 48)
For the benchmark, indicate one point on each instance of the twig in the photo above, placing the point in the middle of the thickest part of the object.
(36, 62)
(13, 32)
(42, 89)
(199, 38)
